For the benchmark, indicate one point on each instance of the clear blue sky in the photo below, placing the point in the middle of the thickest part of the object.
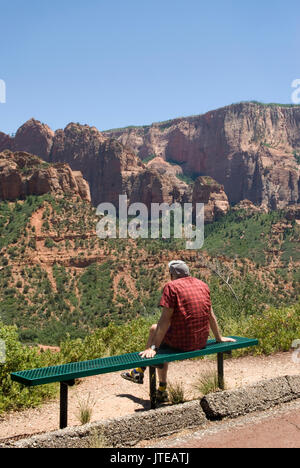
(114, 63)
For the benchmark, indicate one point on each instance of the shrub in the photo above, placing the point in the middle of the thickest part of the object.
(207, 383)
(275, 329)
(18, 356)
(176, 393)
(49, 243)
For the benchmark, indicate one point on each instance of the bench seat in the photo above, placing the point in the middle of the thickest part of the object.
(75, 370)
(67, 373)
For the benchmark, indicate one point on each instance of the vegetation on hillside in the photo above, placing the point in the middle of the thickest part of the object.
(256, 237)
(64, 279)
(297, 157)
(61, 285)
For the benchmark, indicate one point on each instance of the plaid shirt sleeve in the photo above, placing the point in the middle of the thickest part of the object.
(168, 298)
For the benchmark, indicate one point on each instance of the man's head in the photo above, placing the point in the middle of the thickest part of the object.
(178, 269)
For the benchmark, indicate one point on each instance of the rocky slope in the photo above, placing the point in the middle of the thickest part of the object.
(56, 275)
(22, 174)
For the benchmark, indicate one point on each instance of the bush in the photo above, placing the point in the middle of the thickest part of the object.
(275, 329)
(111, 340)
(49, 243)
(19, 357)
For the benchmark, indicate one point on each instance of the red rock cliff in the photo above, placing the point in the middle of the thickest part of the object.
(22, 174)
(248, 148)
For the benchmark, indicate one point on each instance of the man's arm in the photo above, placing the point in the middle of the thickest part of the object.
(161, 329)
(216, 331)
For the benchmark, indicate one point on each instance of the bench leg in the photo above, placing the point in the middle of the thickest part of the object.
(152, 382)
(63, 416)
(221, 371)
(63, 413)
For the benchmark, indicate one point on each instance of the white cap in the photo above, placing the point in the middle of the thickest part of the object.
(179, 268)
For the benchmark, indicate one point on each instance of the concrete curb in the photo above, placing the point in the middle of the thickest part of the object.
(129, 430)
(123, 431)
(262, 396)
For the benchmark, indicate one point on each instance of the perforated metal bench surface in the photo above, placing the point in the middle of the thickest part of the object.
(67, 372)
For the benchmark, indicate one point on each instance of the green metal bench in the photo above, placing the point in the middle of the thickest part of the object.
(67, 373)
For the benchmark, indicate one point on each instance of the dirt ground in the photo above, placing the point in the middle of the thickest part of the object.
(111, 396)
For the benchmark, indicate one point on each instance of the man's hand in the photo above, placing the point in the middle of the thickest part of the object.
(148, 353)
(225, 339)
(161, 330)
(215, 329)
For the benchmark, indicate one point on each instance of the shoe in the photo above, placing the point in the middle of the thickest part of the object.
(162, 397)
(133, 376)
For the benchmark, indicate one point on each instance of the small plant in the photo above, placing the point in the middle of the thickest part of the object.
(98, 439)
(149, 158)
(85, 409)
(176, 393)
(297, 157)
(207, 383)
(49, 243)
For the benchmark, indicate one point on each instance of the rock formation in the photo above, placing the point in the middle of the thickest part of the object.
(105, 163)
(292, 213)
(35, 138)
(206, 190)
(22, 174)
(249, 207)
(6, 142)
(250, 149)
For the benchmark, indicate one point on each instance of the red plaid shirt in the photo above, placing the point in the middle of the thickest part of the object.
(190, 299)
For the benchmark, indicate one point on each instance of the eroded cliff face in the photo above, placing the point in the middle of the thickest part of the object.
(35, 138)
(206, 190)
(22, 174)
(248, 148)
(104, 162)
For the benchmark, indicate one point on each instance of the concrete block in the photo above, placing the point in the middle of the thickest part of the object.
(294, 382)
(233, 403)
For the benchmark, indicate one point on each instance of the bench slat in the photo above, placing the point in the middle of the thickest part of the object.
(75, 370)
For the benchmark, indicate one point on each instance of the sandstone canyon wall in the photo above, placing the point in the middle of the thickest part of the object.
(248, 149)
(23, 174)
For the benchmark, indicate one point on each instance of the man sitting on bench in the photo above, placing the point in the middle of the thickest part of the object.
(184, 324)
